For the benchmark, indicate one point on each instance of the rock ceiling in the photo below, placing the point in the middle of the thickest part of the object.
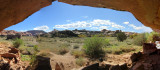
(146, 11)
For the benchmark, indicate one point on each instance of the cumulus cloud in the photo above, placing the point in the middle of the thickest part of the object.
(143, 28)
(78, 24)
(44, 28)
(97, 23)
(136, 27)
(126, 23)
(146, 29)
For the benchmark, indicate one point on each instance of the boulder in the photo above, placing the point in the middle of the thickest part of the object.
(41, 63)
(135, 56)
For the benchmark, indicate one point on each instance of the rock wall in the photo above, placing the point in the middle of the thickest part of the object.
(15, 11)
(146, 11)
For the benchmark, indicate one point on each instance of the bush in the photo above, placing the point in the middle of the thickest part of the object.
(82, 36)
(121, 36)
(63, 50)
(93, 47)
(34, 55)
(17, 43)
(75, 46)
(132, 36)
(119, 49)
(152, 37)
(80, 61)
(107, 42)
(140, 39)
(78, 53)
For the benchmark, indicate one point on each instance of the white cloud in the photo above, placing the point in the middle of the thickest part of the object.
(146, 29)
(85, 16)
(135, 27)
(103, 27)
(97, 23)
(78, 24)
(68, 20)
(44, 28)
(95, 28)
(126, 23)
(142, 28)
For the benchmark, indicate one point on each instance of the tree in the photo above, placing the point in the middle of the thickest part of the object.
(93, 47)
(121, 36)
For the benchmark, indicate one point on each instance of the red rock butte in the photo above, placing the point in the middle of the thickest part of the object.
(146, 11)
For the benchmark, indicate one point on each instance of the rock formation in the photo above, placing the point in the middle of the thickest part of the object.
(12, 32)
(146, 11)
(10, 59)
(36, 32)
(15, 11)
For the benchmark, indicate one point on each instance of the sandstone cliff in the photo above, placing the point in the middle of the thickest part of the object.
(12, 32)
(146, 11)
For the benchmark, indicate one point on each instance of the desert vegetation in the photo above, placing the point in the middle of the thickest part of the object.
(82, 48)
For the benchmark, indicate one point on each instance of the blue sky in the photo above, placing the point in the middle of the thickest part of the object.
(62, 16)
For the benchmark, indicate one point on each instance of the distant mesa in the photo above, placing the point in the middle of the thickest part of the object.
(12, 32)
(36, 32)
(68, 33)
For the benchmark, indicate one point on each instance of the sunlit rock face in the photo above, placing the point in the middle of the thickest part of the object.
(146, 11)
(15, 11)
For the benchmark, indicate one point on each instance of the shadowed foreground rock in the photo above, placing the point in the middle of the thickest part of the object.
(41, 63)
(149, 60)
(107, 67)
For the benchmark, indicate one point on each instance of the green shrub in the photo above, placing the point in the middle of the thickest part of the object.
(107, 42)
(75, 46)
(121, 36)
(25, 57)
(152, 37)
(78, 53)
(63, 50)
(119, 49)
(80, 61)
(140, 39)
(34, 55)
(132, 36)
(93, 47)
(45, 54)
(17, 43)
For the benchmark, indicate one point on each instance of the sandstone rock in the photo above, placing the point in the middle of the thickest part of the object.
(12, 32)
(4, 66)
(92, 67)
(13, 37)
(149, 48)
(59, 66)
(41, 63)
(10, 59)
(14, 50)
(107, 67)
(135, 56)
(146, 11)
